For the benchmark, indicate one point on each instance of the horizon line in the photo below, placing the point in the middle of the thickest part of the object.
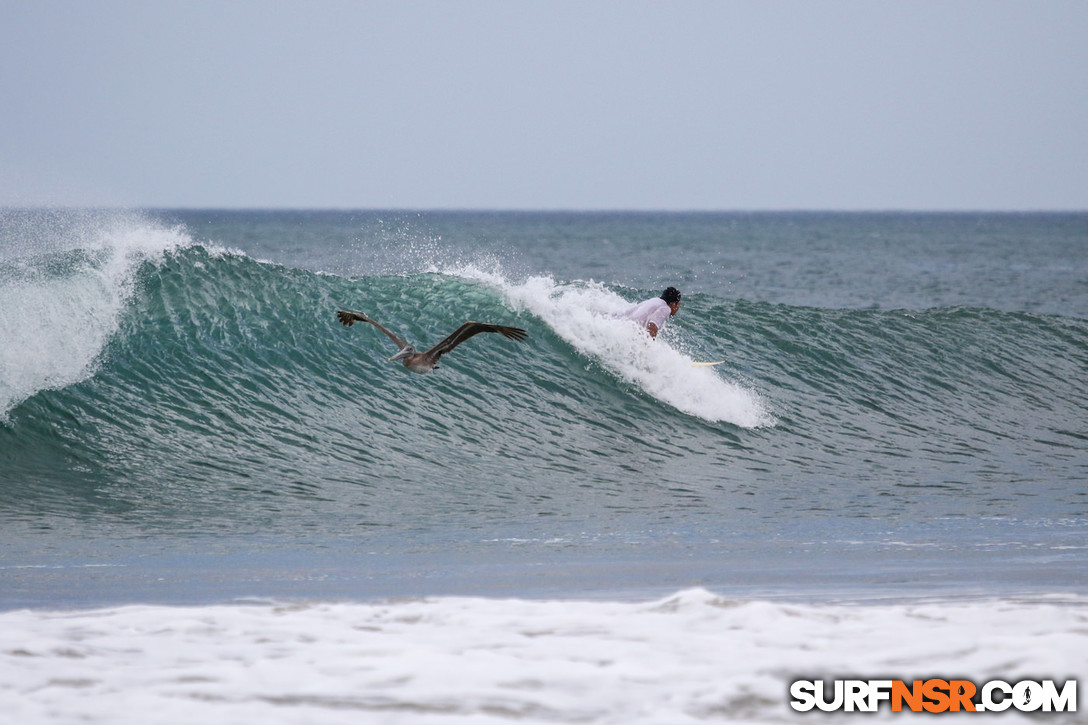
(537, 210)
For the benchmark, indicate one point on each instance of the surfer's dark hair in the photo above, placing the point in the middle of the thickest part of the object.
(671, 295)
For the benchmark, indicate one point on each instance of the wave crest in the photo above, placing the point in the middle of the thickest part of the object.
(63, 285)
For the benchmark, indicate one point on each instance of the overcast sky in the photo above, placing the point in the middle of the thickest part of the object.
(545, 105)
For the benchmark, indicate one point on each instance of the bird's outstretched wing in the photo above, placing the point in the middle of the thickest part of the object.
(469, 329)
(349, 318)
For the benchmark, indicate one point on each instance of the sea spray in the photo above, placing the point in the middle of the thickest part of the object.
(586, 315)
(60, 304)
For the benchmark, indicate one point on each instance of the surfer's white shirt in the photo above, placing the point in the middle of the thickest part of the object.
(654, 310)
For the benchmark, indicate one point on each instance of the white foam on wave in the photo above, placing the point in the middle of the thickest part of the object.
(584, 314)
(57, 313)
(691, 657)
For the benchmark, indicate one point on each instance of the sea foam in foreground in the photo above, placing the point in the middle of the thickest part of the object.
(691, 657)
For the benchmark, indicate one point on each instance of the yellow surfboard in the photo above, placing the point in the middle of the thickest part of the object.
(706, 364)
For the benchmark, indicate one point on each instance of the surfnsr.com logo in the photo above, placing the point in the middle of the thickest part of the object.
(934, 695)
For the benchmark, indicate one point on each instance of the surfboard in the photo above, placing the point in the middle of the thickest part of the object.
(706, 364)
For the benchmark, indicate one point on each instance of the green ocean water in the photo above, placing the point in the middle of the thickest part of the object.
(901, 408)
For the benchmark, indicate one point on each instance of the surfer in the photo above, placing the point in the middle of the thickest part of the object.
(652, 314)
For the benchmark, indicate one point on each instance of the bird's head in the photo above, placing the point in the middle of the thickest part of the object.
(404, 352)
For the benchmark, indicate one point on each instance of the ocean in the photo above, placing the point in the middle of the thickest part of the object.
(219, 504)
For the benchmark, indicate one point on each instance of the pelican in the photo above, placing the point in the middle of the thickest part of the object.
(424, 362)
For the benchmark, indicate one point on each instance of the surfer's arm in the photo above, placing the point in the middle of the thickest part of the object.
(652, 329)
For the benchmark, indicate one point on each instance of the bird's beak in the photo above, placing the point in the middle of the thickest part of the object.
(401, 355)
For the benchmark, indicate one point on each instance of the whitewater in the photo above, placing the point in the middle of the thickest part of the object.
(691, 657)
(217, 503)
(584, 315)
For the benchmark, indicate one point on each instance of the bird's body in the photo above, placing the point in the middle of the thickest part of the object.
(424, 362)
